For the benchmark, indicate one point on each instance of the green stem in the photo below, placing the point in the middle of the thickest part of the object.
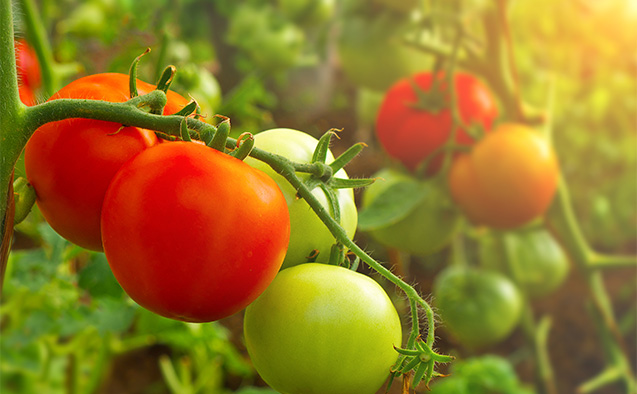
(284, 168)
(563, 223)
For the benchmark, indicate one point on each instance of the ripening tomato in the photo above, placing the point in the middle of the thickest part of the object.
(29, 73)
(411, 133)
(191, 233)
(478, 307)
(71, 162)
(308, 231)
(322, 329)
(508, 179)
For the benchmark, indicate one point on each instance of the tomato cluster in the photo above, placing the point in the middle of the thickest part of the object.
(163, 213)
(415, 118)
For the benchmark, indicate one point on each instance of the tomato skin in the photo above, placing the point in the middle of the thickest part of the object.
(322, 329)
(426, 229)
(29, 73)
(539, 265)
(410, 135)
(508, 179)
(191, 233)
(308, 231)
(478, 307)
(71, 162)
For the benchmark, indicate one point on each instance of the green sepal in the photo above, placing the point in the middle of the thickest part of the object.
(323, 146)
(188, 109)
(392, 205)
(332, 200)
(347, 156)
(407, 352)
(339, 183)
(24, 197)
(206, 136)
(420, 373)
(183, 130)
(166, 78)
(218, 141)
(245, 143)
(337, 255)
(132, 81)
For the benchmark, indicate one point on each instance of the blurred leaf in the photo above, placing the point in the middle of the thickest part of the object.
(394, 204)
(98, 279)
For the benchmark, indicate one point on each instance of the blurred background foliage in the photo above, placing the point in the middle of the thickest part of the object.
(65, 321)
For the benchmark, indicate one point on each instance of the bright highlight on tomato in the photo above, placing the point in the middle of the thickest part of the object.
(71, 162)
(323, 329)
(411, 133)
(191, 233)
(508, 179)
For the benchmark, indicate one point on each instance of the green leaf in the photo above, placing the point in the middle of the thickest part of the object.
(98, 279)
(392, 205)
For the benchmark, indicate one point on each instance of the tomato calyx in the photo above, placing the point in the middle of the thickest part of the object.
(433, 100)
(422, 360)
(322, 174)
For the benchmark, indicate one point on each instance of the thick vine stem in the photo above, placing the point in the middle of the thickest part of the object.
(563, 223)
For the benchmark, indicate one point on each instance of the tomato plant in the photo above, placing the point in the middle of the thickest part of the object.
(478, 307)
(508, 179)
(308, 231)
(322, 329)
(71, 162)
(307, 12)
(411, 128)
(427, 222)
(211, 236)
(537, 262)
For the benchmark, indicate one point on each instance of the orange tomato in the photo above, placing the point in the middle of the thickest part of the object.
(508, 179)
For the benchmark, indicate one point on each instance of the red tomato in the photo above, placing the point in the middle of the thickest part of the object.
(193, 234)
(29, 73)
(410, 134)
(71, 162)
(508, 179)
(27, 96)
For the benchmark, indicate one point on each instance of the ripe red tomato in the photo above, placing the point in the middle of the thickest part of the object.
(193, 234)
(322, 329)
(29, 73)
(71, 162)
(27, 95)
(508, 179)
(411, 134)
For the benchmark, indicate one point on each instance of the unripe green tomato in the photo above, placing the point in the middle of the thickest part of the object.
(429, 227)
(323, 329)
(308, 232)
(477, 307)
(539, 264)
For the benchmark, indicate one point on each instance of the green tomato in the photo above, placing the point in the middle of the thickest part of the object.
(321, 329)
(539, 265)
(202, 85)
(307, 232)
(373, 55)
(477, 307)
(429, 226)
